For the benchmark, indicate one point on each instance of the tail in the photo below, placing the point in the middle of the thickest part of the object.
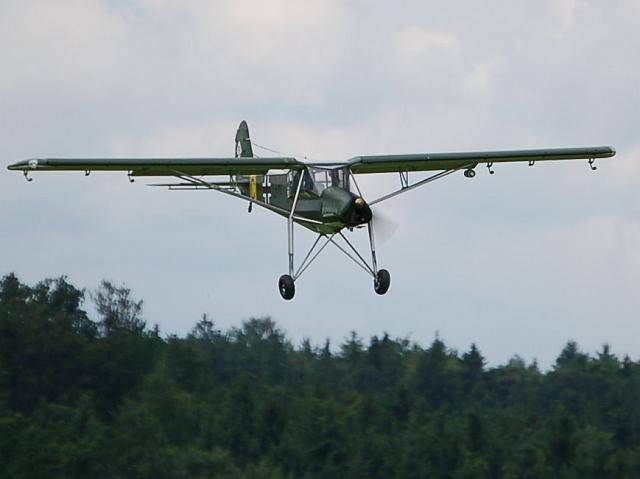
(252, 188)
(243, 142)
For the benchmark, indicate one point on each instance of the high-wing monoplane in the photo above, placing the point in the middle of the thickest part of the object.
(323, 197)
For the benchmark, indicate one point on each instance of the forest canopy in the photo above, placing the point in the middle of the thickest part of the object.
(109, 396)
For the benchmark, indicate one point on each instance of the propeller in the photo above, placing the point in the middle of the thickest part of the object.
(384, 224)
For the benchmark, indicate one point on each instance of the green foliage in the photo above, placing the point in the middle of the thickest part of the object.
(43, 332)
(118, 311)
(108, 398)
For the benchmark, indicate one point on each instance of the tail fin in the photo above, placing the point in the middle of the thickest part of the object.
(243, 142)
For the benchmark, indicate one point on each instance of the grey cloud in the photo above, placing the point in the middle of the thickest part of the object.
(519, 261)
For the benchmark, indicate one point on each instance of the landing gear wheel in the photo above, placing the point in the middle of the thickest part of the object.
(287, 287)
(382, 282)
(469, 173)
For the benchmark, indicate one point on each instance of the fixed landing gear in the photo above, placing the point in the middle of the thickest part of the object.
(382, 282)
(287, 287)
(286, 283)
(469, 173)
(381, 277)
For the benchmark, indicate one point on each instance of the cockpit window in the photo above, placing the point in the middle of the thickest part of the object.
(316, 180)
(326, 177)
(340, 178)
(306, 188)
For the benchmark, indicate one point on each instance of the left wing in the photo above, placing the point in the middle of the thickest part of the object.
(448, 161)
(161, 166)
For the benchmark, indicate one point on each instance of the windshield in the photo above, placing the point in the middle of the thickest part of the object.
(325, 177)
(316, 180)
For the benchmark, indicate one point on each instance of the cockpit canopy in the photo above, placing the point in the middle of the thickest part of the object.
(316, 179)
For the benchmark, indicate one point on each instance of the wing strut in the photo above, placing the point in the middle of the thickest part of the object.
(404, 189)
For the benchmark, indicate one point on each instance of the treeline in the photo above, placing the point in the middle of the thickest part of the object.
(109, 397)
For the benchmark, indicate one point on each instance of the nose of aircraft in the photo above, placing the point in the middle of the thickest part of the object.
(341, 205)
(362, 211)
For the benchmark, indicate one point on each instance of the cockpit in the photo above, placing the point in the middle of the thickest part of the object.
(316, 179)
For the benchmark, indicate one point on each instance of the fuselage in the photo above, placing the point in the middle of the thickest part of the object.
(323, 197)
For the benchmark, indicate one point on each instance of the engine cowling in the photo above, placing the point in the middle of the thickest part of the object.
(340, 205)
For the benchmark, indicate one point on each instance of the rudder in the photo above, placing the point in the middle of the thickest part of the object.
(243, 141)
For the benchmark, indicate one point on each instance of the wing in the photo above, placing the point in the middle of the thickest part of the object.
(162, 166)
(448, 161)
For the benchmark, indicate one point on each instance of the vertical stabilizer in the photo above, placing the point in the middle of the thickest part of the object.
(243, 142)
(250, 186)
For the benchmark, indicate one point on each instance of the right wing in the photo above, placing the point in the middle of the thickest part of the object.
(162, 166)
(448, 161)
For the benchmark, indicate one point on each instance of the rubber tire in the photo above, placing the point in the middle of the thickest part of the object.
(287, 287)
(469, 173)
(382, 281)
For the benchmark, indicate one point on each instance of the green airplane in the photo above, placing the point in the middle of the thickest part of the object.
(323, 197)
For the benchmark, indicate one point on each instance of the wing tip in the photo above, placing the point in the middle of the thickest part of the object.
(31, 163)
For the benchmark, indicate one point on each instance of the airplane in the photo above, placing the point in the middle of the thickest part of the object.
(323, 197)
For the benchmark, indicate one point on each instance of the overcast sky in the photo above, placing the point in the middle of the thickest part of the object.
(519, 262)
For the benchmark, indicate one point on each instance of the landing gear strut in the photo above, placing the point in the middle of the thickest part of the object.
(381, 277)
(286, 283)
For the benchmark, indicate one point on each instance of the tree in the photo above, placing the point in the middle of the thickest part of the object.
(561, 438)
(118, 311)
(43, 337)
(571, 356)
(472, 367)
(431, 377)
(112, 399)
